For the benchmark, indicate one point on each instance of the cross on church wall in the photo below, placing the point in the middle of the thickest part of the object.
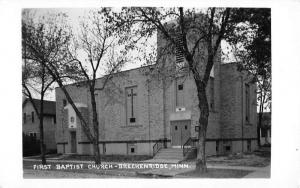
(132, 94)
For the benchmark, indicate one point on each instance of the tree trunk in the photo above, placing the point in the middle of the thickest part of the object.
(95, 126)
(266, 137)
(203, 121)
(259, 128)
(41, 128)
(97, 157)
(260, 114)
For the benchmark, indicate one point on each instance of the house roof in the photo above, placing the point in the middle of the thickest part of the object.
(49, 106)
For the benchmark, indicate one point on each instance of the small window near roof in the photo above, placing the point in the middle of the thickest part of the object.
(180, 87)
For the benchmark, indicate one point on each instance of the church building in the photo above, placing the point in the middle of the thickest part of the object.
(137, 111)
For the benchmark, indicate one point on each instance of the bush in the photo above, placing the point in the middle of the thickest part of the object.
(30, 146)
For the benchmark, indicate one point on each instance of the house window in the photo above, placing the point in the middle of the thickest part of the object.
(217, 146)
(212, 93)
(247, 102)
(132, 148)
(24, 117)
(131, 105)
(179, 92)
(32, 117)
(32, 136)
(65, 102)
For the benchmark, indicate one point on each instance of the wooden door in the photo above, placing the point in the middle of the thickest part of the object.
(180, 132)
(73, 142)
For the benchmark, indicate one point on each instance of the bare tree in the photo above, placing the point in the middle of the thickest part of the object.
(208, 29)
(43, 43)
(51, 43)
(98, 43)
(41, 87)
(35, 78)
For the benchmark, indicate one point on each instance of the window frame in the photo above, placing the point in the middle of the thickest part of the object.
(247, 105)
(249, 145)
(65, 102)
(133, 109)
(32, 117)
(179, 81)
(212, 93)
(24, 117)
(131, 146)
(33, 135)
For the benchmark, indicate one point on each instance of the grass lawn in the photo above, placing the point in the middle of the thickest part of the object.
(252, 160)
(260, 158)
(216, 173)
(109, 158)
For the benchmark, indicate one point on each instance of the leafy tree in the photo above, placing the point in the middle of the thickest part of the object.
(35, 78)
(104, 54)
(44, 43)
(206, 27)
(51, 43)
(250, 38)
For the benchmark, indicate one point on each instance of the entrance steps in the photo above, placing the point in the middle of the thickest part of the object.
(169, 153)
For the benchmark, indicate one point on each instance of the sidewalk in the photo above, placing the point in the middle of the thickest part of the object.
(173, 170)
(259, 172)
(264, 172)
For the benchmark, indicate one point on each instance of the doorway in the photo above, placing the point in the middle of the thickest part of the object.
(73, 142)
(180, 132)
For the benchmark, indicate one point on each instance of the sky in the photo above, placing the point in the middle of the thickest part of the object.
(76, 15)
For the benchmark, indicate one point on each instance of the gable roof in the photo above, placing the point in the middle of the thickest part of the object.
(49, 106)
